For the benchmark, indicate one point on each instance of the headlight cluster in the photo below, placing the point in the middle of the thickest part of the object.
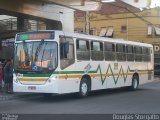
(52, 78)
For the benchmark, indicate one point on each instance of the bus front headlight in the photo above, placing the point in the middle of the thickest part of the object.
(52, 78)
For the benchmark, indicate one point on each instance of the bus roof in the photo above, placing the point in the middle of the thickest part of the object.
(92, 37)
(113, 40)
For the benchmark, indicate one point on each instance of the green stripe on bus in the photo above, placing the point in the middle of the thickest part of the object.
(98, 70)
(36, 75)
(69, 72)
(121, 73)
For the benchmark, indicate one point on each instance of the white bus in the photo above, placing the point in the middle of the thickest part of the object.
(60, 62)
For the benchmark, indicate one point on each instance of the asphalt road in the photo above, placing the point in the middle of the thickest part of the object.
(145, 100)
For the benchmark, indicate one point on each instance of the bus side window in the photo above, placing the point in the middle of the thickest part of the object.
(66, 52)
(130, 53)
(138, 53)
(109, 51)
(97, 50)
(145, 52)
(121, 54)
(83, 49)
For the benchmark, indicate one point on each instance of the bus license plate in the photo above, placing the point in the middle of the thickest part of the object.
(31, 87)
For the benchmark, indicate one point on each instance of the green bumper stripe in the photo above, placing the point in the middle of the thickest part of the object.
(35, 75)
(69, 72)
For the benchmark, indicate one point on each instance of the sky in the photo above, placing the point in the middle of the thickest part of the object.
(155, 3)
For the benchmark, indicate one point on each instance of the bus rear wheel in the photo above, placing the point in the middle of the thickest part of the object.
(135, 83)
(84, 88)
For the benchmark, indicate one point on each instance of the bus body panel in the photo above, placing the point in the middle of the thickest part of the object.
(103, 74)
(46, 88)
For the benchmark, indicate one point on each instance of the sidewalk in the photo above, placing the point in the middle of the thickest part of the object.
(8, 96)
(156, 77)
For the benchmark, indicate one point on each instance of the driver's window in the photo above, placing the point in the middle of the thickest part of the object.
(66, 51)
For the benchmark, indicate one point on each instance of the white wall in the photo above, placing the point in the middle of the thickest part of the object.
(43, 10)
(54, 12)
(67, 19)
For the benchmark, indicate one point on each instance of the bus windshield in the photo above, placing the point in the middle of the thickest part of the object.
(36, 57)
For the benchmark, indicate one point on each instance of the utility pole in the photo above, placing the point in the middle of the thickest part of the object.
(87, 22)
(127, 24)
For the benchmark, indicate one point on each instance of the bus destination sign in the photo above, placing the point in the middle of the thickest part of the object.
(31, 36)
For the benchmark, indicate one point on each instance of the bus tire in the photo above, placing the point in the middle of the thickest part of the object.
(135, 83)
(84, 88)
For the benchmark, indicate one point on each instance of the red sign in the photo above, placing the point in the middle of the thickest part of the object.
(39, 36)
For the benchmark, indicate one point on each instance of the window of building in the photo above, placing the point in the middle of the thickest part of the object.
(153, 30)
(157, 30)
(106, 31)
(124, 29)
(92, 31)
(103, 31)
(149, 30)
(109, 32)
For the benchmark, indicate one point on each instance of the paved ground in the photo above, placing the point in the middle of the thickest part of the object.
(144, 100)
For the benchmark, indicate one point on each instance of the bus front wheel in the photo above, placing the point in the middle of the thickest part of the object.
(84, 88)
